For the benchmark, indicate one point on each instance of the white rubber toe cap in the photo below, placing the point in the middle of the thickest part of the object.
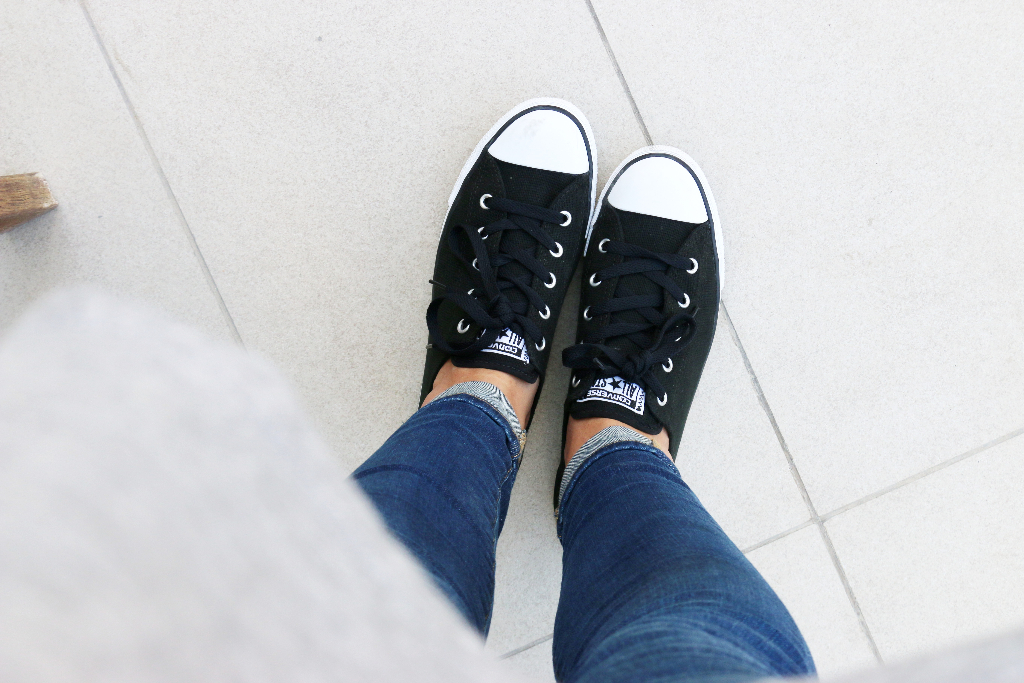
(659, 186)
(543, 138)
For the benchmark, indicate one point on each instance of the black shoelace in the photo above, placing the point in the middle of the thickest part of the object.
(656, 336)
(503, 294)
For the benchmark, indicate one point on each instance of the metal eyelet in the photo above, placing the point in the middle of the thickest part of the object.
(663, 401)
(585, 316)
(480, 230)
(691, 272)
(551, 284)
(600, 245)
(575, 381)
(667, 368)
(568, 218)
(543, 343)
(482, 203)
(559, 254)
(546, 314)
(592, 282)
(686, 298)
(474, 264)
(460, 328)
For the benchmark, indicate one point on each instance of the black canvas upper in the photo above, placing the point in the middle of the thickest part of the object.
(518, 244)
(640, 347)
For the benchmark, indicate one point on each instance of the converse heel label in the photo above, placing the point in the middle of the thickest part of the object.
(618, 391)
(512, 345)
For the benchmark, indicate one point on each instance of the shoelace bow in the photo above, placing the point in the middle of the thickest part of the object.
(658, 336)
(494, 310)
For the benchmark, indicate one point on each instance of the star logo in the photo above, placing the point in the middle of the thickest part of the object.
(618, 391)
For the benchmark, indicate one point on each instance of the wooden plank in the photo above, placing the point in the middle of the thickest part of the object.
(22, 198)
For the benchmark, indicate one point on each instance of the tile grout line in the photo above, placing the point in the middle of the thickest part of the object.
(888, 489)
(815, 518)
(771, 415)
(618, 72)
(163, 177)
(524, 648)
(844, 579)
(922, 474)
(777, 537)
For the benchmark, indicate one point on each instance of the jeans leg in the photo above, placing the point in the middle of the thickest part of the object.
(653, 589)
(442, 482)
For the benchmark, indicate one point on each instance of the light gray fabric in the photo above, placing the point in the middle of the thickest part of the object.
(168, 514)
(495, 397)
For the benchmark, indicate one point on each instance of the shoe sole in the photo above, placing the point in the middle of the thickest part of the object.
(538, 103)
(665, 150)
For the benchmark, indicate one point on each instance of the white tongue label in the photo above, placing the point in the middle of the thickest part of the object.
(619, 391)
(509, 344)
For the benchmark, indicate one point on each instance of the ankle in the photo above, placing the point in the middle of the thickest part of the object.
(578, 432)
(518, 392)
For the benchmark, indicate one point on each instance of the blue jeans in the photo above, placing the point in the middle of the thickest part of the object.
(652, 588)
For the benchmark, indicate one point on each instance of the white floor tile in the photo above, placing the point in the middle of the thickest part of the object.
(866, 159)
(61, 115)
(940, 560)
(313, 147)
(800, 570)
(730, 456)
(534, 663)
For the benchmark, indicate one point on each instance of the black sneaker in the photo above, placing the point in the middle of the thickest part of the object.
(650, 293)
(517, 223)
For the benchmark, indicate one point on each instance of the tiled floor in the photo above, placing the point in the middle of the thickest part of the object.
(277, 172)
